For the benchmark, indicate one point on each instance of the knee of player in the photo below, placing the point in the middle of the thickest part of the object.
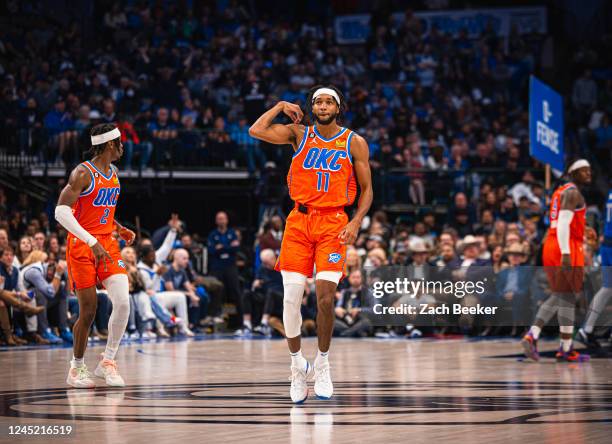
(325, 302)
(87, 313)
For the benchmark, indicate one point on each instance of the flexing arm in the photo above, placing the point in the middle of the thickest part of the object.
(570, 200)
(361, 154)
(264, 129)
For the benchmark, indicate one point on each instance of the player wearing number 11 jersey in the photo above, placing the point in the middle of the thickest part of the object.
(328, 163)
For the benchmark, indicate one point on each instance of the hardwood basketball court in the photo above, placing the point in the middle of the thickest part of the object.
(385, 391)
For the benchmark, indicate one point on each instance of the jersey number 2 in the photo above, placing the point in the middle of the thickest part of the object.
(322, 181)
(103, 219)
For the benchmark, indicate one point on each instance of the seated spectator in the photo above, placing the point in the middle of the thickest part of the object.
(132, 143)
(265, 295)
(223, 150)
(177, 279)
(151, 274)
(164, 135)
(13, 295)
(140, 304)
(48, 282)
(192, 149)
(24, 248)
(350, 321)
(512, 287)
(59, 126)
(272, 235)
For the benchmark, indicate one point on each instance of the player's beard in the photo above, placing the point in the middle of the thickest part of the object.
(327, 121)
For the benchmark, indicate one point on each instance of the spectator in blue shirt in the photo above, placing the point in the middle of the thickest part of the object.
(223, 244)
(164, 135)
(60, 128)
(177, 279)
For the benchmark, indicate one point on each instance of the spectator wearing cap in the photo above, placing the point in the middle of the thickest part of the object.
(513, 286)
(419, 254)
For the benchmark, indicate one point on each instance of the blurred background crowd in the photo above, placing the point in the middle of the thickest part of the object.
(445, 116)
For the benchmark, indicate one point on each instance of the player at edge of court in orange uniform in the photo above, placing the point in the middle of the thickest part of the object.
(563, 259)
(86, 209)
(328, 162)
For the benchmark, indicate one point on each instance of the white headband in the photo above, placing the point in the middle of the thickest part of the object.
(329, 91)
(103, 138)
(580, 163)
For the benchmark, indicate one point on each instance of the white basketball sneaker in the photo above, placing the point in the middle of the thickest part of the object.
(79, 377)
(323, 386)
(107, 370)
(299, 386)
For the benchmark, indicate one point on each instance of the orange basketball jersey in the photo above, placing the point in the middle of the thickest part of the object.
(95, 207)
(578, 221)
(321, 173)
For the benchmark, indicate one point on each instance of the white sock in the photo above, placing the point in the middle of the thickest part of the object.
(298, 361)
(264, 321)
(566, 344)
(321, 357)
(535, 331)
(247, 324)
(77, 362)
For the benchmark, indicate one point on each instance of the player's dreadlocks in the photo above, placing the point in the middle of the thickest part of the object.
(102, 128)
(341, 105)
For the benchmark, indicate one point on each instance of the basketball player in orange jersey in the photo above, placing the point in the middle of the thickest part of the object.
(86, 209)
(328, 161)
(563, 257)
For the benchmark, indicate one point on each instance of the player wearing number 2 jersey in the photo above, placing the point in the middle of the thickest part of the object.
(328, 163)
(86, 209)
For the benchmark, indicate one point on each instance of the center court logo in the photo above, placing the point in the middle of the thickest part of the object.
(334, 258)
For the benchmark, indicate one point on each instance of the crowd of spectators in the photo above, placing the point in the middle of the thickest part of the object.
(445, 118)
(184, 83)
(182, 283)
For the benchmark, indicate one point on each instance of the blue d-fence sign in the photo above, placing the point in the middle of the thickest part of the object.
(545, 124)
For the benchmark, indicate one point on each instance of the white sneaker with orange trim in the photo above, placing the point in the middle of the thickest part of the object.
(79, 377)
(107, 370)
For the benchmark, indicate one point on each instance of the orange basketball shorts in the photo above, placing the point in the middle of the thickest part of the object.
(82, 270)
(312, 240)
(562, 279)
